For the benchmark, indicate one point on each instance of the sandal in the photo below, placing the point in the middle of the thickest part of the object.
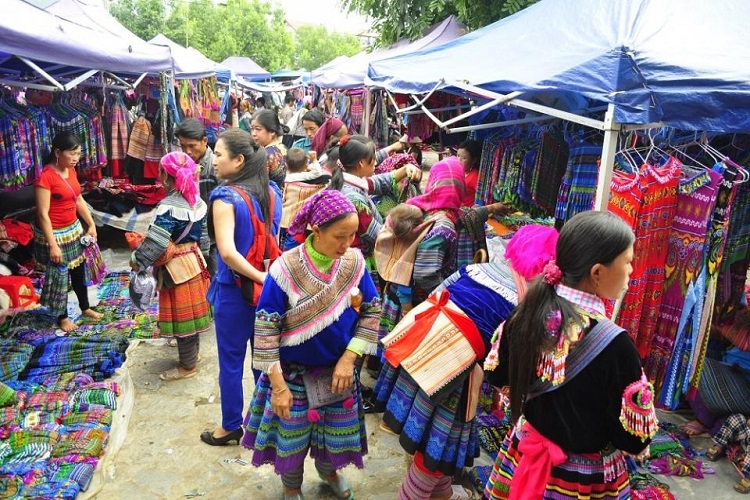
(461, 493)
(339, 486)
(715, 452)
(174, 374)
(172, 342)
(743, 486)
(292, 496)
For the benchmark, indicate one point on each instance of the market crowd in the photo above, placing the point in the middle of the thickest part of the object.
(328, 256)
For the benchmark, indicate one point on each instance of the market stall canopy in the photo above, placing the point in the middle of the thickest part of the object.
(60, 45)
(684, 63)
(290, 74)
(189, 63)
(350, 72)
(245, 67)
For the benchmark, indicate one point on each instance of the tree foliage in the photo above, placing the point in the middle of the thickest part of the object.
(251, 28)
(145, 18)
(315, 47)
(397, 19)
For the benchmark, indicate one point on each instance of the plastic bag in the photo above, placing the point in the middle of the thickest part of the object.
(142, 289)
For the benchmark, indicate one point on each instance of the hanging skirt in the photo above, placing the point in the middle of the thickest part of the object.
(580, 477)
(184, 309)
(438, 431)
(338, 437)
(55, 290)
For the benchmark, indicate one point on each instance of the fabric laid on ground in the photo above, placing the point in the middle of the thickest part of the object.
(57, 400)
(56, 434)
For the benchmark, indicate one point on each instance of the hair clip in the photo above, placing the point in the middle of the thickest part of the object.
(343, 140)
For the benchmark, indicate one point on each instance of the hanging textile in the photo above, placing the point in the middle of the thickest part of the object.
(550, 166)
(357, 110)
(578, 187)
(119, 127)
(645, 199)
(78, 114)
(379, 120)
(733, 268)
(24, 138)
(716, 242)
(695, 202)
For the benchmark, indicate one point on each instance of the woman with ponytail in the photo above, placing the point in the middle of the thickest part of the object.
(577, 389)
(268, 131)
(354, 177)
(240, 164)
(174, 245)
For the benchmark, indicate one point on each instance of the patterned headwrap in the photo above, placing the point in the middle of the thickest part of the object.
(184, 171)
(445, 188)
(324, 134)
(322, 207)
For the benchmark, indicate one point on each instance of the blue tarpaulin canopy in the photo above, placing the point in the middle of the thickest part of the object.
(62, 38)
(350, 72)
(684, 63)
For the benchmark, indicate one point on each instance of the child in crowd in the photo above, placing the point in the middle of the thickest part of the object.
(303, 179)
(396, 249)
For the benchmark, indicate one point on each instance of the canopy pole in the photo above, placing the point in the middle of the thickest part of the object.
(368, 111)
(74, 82)
(483, 107)
(607, 165)
(139, 80)
(420, 102)
(539, 108)
(118, 79)
(36, 86)
(520, 121)
(39, 70)
(436, 110)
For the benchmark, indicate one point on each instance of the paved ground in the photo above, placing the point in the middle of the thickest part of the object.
(160, 454)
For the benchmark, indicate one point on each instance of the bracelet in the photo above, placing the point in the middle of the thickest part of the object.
(279, 391)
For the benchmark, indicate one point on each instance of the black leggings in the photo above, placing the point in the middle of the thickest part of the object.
(77, 279)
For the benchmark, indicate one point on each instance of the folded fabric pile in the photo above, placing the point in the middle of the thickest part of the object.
(54, 435)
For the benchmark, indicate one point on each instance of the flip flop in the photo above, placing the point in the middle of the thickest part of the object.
(174, 374)
(339, 486)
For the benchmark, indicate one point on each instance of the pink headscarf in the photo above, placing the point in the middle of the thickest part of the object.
(324, 133)
(322, 207)
(445, 188)
(184, 171)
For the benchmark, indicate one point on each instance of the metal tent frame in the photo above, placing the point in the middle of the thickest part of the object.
(608, 125)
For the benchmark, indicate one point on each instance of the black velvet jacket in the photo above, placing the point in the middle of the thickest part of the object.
(583, 415)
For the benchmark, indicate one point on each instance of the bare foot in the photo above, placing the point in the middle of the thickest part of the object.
(694, 428)
(67, 325)
(93, 314)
